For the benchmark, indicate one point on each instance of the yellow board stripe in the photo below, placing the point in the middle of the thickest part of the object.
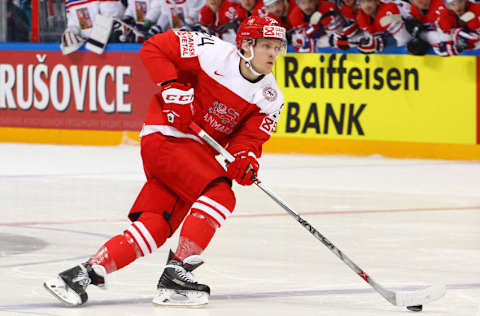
(276, 144)
(371, 147)
(67, 136)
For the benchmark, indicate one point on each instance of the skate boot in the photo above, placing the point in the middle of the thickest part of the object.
(177, 286)
(69, 286)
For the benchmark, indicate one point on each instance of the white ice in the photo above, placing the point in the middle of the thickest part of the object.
(407, 223)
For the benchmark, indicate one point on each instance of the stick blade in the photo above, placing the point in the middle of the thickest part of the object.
(420, 297)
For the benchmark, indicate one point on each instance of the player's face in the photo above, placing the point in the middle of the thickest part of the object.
(213, 3)
(349, 3)
(422, 4)
(308, 6)
(369, 7)
(248, 4)
(278, 8)
(265, 53)
(457, 6)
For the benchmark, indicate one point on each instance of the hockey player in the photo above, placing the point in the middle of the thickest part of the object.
(144, 15)
(231, 93)
(382, 24)
(81, 16)
(422, 25)
(253, 7)
(313, 22)
(461, 22)
(280, 10)
(223, 18)
(177, 14)
(343, 39)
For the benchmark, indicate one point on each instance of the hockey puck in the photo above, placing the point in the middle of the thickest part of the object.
(415, 308)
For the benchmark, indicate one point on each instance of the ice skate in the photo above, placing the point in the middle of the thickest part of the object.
(177, 286)
(69, 286)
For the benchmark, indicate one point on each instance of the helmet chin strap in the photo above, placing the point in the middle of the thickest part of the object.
(248, 61)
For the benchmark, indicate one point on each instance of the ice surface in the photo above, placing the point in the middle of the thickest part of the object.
(407, 223)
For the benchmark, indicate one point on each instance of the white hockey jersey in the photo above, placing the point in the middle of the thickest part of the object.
(143, 10)
(81, 13)
(178, 13)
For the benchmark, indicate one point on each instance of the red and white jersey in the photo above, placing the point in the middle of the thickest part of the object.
(143, 10)
(177, 13)
(232, 109)
(227, 11)
(450, 23)
(430, 17)
(448, 20)
(374, 26)
(299, 20)
(258, 10)
(81, 13)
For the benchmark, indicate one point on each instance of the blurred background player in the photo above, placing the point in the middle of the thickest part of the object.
(18, 22)
(280, 10)
(231, 93)
(143, 15)
(177, 14)
(461, 21)
(313, 21)
(222, 18)
(344, 39)
(422, 26)
(81, 16)
(253, 7)
(382, 24)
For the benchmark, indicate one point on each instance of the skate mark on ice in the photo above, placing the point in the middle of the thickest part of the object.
(241, 296)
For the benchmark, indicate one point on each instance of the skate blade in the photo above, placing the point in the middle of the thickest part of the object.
(180, 298)
(59, 290)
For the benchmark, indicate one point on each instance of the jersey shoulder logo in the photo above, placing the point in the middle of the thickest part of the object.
(270, 94)
(187, 44)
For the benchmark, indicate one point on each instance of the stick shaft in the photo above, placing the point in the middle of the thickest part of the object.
(388, 295)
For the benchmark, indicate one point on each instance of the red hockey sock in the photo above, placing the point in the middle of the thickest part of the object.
(207, 214)
(140, 239)
(116, 253)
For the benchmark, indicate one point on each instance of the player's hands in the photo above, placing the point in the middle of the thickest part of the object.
(301, 42)
(71, 40)
(371, 44)
(463, 39)
(178, 105)
(338, 41)
(244, 168)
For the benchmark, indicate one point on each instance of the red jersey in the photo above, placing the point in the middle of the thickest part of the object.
(349, 12)
(448, 20)
(227, 11)
(299, 20)
(432, 14)
(258, 9)
(227, 106)
(373, 26)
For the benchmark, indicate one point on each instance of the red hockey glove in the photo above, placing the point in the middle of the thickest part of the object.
(178, 107)
(244, 168)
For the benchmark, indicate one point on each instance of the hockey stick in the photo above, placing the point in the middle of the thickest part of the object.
(413, 300)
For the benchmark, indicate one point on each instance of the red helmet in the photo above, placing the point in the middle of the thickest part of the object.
(260, 27)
